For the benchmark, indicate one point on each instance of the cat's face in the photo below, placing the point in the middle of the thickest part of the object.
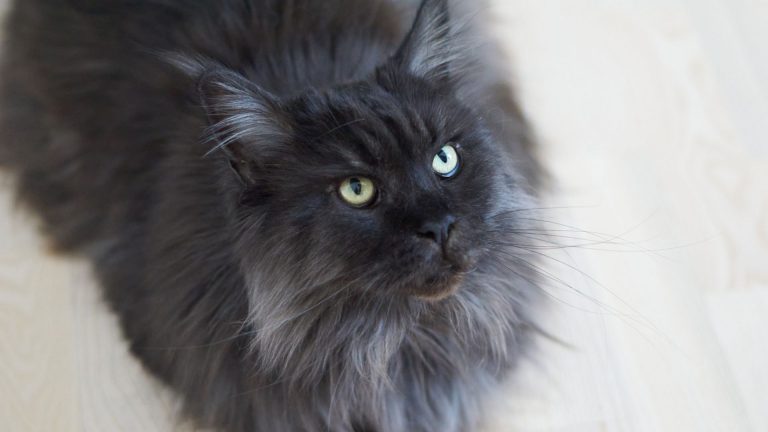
(382, 186)
(385, 186)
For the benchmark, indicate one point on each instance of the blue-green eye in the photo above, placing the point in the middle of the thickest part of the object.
(446, 161)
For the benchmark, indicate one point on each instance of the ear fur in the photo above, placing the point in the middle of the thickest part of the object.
(428, 49)
(244, 120)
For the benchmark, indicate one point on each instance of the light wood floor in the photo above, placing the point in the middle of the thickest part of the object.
(653, 118)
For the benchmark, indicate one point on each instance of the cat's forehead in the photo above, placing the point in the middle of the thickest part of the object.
(373, 127)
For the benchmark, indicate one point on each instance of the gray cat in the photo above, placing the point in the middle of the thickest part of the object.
(303, 212)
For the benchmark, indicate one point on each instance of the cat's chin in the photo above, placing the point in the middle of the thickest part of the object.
(439, 291)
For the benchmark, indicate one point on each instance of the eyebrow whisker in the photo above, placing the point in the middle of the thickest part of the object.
(349, 123)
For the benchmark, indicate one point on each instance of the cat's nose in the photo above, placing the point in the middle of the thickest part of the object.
(437, 230)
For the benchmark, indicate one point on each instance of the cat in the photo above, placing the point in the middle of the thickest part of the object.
(302, 212)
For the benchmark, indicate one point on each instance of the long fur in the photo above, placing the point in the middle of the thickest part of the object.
(191, 148)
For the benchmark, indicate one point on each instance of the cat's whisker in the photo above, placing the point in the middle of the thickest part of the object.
(641, 319)
(607, 310)
(341, 126)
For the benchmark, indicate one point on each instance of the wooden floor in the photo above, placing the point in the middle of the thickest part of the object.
(653, 118)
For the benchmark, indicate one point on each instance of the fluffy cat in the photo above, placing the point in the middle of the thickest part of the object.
(302, 212)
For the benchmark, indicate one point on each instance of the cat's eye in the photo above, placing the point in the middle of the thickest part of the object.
(358, 191)
(446, 161)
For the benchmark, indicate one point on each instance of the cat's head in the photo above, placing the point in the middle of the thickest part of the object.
(354, 199)
(384, 184)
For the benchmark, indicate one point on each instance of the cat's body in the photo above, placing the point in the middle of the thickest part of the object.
(239, 277)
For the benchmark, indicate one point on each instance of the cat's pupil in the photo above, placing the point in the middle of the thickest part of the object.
(356, 185)
(443, 157)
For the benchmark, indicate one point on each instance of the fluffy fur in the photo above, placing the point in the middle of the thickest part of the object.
(192, 150)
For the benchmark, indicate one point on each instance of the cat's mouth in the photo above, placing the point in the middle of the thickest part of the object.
(444, 282)
(441, 269)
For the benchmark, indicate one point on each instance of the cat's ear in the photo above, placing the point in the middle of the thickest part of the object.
(429, 48)
(245, 121)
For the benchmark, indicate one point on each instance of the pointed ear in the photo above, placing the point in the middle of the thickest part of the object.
(428, 49)
(245, 121)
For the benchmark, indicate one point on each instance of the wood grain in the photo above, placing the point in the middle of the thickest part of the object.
(652, 120)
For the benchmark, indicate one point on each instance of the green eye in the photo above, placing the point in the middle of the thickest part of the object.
(357, 191)
(446, 161)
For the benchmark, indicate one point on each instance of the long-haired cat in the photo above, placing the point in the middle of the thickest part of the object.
(301, 210)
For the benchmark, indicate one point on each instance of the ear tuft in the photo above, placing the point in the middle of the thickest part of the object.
(428, 49)
(244, 120)
(238, 111)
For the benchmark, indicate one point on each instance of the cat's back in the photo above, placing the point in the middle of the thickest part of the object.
(80, 47)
